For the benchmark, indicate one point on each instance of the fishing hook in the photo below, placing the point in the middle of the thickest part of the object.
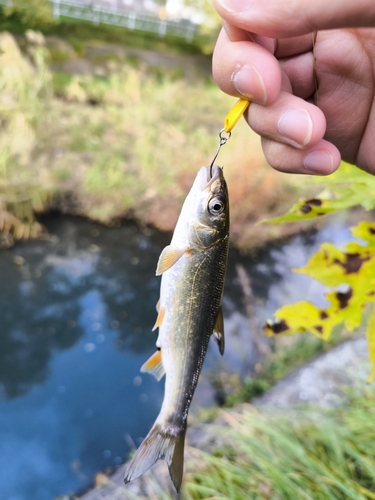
(222, 140)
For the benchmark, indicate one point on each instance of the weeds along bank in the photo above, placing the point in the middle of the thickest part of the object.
(303, 453)
(126, 143)
(300, 441)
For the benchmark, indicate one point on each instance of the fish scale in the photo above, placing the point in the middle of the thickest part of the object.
(203, 321)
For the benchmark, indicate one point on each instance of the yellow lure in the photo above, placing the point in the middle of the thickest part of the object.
(230, 121)
(235, 114)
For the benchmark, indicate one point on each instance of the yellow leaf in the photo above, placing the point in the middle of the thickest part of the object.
(365, 231)
(302, 317)
(354, 268)
(304, 210)
(347, 187)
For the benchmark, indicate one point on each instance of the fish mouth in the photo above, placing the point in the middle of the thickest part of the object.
(208, 175)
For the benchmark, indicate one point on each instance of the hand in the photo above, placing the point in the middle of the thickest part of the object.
(309, 69)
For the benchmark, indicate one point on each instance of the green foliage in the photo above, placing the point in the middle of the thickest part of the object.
(371, 342)
(348, 187)
(125, 143)
(251, 387)
(80, 33)
(24, 89)
(211, 23)
(30, 13)
(305, 454)
(140, 143)
(284, 358)
(353, 267)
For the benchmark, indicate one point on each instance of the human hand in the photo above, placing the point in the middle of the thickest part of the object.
(309, 70)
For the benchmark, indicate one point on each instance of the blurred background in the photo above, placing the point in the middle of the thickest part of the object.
(107, 110)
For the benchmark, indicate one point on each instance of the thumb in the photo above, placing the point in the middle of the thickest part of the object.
(285, 18)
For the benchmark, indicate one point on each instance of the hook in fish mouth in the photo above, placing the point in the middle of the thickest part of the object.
(212, 173)
(207, 176)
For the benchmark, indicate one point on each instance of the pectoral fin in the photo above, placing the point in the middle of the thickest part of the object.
(159, 319)
(154, 365)
(168, 257)
(218, 332)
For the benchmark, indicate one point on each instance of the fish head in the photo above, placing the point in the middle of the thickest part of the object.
(209, 208)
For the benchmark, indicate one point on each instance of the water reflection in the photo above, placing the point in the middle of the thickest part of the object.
(74, 315)
(37, 317)
(77, 312)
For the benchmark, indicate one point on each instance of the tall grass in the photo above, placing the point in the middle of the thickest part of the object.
(24, 94)
(300, 453)
(141, 144)
(129, 143)
(296, 454)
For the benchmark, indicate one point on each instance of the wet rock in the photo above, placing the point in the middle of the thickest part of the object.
(322, 381)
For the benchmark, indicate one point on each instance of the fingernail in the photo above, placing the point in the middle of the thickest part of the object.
(235, 6)
(296, 127)
(248, 77)
(319, 162)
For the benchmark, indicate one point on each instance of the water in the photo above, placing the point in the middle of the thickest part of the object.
(77, 311)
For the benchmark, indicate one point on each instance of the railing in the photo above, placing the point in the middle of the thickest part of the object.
(115, 12)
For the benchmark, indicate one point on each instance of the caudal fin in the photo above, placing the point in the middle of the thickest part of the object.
(161, 442)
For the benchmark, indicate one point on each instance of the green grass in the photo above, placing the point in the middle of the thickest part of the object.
(129, 143)
(141, 144)
(25, 93)
(79, 33)
(284, 356)
(302, 453)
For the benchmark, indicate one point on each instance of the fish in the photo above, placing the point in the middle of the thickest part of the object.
(193, 268)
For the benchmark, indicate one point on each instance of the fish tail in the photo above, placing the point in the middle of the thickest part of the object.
(165, 442)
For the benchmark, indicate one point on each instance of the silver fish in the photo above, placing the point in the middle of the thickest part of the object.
(189, 311)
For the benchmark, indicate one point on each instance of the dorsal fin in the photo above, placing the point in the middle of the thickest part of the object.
(159, 319)
(154, 365)
(218, 333)
(168, 257)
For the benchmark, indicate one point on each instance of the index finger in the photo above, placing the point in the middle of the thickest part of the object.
(245, 69)
(282, 19)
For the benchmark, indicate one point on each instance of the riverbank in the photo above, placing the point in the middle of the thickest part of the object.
(78, 307)
(284, 450)
(112, 134)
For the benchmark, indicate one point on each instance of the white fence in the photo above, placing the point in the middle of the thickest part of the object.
(120, 13)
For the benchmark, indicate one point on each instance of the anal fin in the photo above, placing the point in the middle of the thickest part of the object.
(159, 319)
(154, 365)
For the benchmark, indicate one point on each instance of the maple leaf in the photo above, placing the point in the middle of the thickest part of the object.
(353, 267)
(347, 187)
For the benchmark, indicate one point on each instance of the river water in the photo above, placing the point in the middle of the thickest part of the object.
(76, 316)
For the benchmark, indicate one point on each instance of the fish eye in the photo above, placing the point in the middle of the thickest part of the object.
(216, 206)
